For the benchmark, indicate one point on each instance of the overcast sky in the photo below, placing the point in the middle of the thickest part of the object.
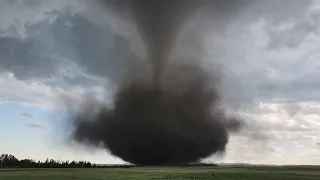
(267, 52)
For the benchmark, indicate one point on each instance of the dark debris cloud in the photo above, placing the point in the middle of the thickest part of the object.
(166, 113)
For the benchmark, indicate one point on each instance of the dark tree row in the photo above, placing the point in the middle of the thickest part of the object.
(10, 161)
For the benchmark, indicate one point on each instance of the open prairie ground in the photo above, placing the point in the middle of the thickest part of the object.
(177, 173)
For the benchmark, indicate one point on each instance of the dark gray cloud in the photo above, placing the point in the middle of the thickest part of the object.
(52, 46)
(66, 36)
(66, 46)
(71, 47)
(28, 4)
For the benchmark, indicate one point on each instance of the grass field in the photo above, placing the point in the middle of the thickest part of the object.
(177, 173)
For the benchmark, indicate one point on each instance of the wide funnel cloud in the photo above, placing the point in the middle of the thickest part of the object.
(168, 114)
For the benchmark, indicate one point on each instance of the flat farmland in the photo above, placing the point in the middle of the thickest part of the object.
(177, 173)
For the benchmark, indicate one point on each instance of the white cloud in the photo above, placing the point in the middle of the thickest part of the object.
(275, 136)
(35, 93)
(29, 93)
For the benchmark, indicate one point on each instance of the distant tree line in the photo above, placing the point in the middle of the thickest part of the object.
(10, 161)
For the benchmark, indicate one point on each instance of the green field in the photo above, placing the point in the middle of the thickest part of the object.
(178, 173)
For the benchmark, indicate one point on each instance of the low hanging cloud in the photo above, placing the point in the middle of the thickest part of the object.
(35, 125)
(27, 115)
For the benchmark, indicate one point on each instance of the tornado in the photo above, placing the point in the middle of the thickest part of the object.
(171, 113)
